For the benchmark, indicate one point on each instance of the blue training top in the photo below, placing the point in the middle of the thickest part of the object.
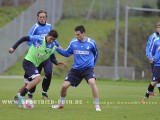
(151, 39)
(85, 53)
(154, 52)
(42, 30)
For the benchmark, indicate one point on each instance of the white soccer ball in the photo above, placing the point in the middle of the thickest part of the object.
(28, 104)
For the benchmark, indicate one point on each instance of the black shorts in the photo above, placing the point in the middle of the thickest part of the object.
(75, 76)
(30, 69)
(156, 74)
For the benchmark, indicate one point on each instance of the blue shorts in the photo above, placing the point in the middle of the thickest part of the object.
(156, 74)
(75, 76)
(30, 69)
(47, 65)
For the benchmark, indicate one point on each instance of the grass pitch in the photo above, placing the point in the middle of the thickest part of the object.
(119, 100)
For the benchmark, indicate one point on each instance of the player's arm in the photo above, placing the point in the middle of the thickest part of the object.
(21, 40)
(57, 43)
(66, 53)
(54, 60)
(32, 30)
(149, 45)
(152, 51)
(95, 53)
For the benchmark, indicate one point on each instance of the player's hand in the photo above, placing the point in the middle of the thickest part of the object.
(152, 61)
(60, 63)
(10, 50)
(58, 47)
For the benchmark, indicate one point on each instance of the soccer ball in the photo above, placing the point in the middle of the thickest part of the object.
(28, 104)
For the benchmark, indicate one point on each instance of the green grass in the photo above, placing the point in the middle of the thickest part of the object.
(8, 13)
(119, 100)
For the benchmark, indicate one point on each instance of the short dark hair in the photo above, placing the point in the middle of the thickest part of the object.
(53, 33)
(80, 28)
(41, 11)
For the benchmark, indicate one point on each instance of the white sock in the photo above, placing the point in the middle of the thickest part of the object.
(158, 85)
(96, 102)
(62, 100)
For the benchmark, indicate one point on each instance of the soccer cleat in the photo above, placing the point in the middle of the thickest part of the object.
(152, 94)
(97, 108)
(57, 106)
(30, 95)
(144, 100)
(21, 100)
(44, 96)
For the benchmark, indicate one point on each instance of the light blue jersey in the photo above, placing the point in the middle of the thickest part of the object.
(85, 53)
(42, 30)
(154, 52)
(151, 39)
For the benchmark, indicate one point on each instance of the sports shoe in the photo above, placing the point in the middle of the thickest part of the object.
(21, 100)
(144, 100)
(30, 95)
(152, 94)
(57, 106)
(97, 108)
(44, 96)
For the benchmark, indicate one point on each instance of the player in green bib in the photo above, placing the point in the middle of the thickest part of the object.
(41, 49)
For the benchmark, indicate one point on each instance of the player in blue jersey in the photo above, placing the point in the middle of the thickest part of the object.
(153, 54)
(42, 28)
(85, 54)
(151, 39)
(42, 48)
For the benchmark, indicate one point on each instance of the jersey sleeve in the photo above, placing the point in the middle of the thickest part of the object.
(149, 45)
(66, 53)
(21, 40)
(152, 51)
(95, 52)
(56, 43)
(32, 32)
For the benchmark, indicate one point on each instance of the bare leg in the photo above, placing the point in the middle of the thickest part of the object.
(34, 82)
(22, 88)
(92, 83)
(65, 86)
(94, 88)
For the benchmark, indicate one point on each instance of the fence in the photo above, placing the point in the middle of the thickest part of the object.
(99, 9)
(20, 26)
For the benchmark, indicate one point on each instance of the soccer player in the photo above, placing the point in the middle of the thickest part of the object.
(151, 39)
(153, 55)
(42, 28)
(85, 54)
(42, 48)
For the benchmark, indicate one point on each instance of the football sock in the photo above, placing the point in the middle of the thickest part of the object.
(44, 92)
(24, 92)
(150, 89)
(30, 93)
(46, 82)
(96, 101)
(32, 90)
(158, 85)
(62, 101)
